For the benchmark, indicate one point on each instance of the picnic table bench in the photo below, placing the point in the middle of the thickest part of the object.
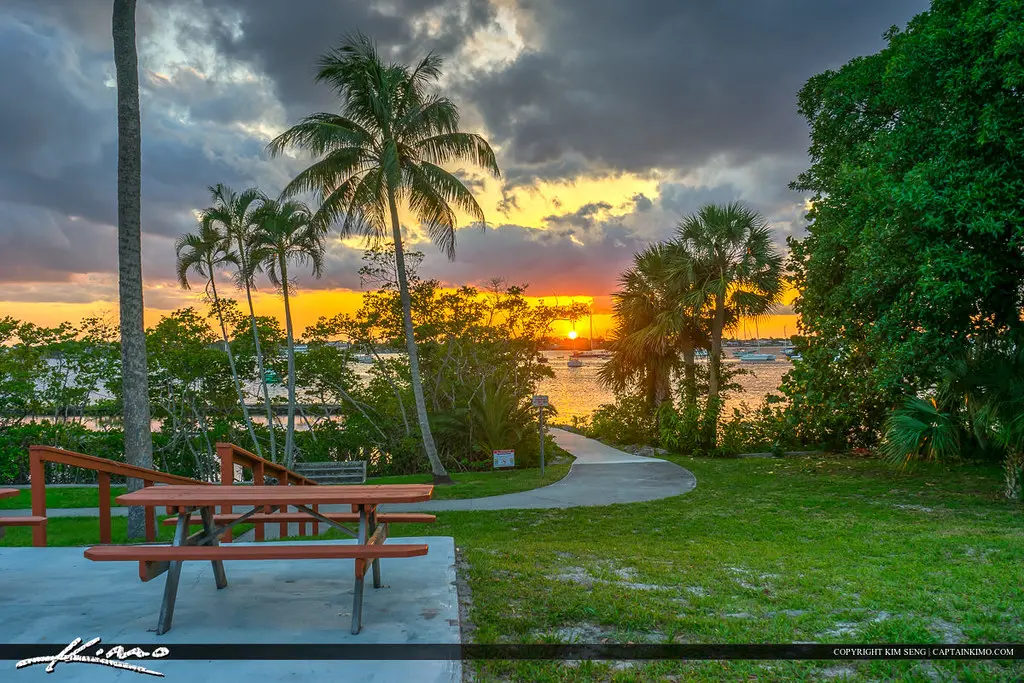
(343, 472)
(25, 520)
(268, 504)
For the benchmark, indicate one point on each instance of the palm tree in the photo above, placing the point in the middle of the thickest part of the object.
(287, 234)
(203, 253)
(138, 440)
(387, 148)
(978, 403)
(654, 327)
(738, 272)
(236, 214)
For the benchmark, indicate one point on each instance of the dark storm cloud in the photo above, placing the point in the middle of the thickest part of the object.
(58, 133)
(669, 83)
(284, 39)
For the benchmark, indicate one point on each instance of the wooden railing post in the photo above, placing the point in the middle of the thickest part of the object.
(257, 480)
(103, 482)
(150, 516)
(226, 453)
(37, 472)
(282, 480)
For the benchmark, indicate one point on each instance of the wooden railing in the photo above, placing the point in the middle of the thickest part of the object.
(40, 455)
(231, 455)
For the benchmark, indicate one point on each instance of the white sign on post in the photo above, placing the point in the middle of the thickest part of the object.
(540, 401)
(504, 459)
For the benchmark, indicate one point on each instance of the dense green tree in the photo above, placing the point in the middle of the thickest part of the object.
(916, 244)
(287, 235)
(387, 149)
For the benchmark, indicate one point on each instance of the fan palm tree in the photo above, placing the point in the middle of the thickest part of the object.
(138, 440)
(203, 253)
(979, 402)
(654, 327)
(386, 148)
(287, 235)
(236, 215)
(738, 273)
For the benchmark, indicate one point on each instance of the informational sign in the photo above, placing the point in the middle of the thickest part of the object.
(540, 401)
(504, 459)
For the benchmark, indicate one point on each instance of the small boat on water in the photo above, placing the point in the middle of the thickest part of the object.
(364, 358)
(575, 361)
(271, 377)
(543, 360)
(757, 358)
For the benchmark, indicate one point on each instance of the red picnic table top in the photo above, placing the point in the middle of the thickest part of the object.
(199, 496)
(9, 493)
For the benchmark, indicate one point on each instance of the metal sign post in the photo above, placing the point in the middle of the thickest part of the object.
(541, 402)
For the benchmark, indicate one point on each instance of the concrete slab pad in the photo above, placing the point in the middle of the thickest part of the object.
(53, 595)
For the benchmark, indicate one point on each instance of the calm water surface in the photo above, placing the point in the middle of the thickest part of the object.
(577, 392)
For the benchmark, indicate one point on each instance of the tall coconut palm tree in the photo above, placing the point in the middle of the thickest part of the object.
(287, 235)
(737, 270)
(386, 149)
(138, 440)
(236, 215)
(203, 253)
(655, 328)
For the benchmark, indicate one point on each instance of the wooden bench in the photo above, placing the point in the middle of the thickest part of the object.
(348, 472)
(33, 520)
(20, 521)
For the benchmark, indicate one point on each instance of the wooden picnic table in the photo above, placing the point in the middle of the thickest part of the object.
(9, 493)
(264, 501)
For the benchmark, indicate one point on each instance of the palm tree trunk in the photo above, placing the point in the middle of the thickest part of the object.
(714, 371)
(138, 441)
(289, 436)
(231, 364)
(689, 377)
(438, 470)
(259, 355)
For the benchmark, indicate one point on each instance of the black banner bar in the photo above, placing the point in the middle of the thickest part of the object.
(378, 652)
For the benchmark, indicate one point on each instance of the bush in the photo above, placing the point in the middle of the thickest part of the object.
(627, 421)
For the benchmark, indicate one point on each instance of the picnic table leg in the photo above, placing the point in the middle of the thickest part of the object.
(209, 528)
(173, 573)
(371, 527)
(357, 592)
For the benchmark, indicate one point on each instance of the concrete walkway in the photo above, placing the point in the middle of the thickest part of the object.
(601, 475)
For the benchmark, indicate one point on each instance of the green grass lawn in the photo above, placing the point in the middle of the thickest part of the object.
(70, 497)
(806, 549)
(812, 549)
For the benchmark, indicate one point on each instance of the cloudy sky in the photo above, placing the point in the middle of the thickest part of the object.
(611, 120)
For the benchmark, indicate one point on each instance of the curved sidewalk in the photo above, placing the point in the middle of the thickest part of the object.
(601, 475)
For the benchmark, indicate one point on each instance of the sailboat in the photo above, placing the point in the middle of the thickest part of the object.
(757, 356)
